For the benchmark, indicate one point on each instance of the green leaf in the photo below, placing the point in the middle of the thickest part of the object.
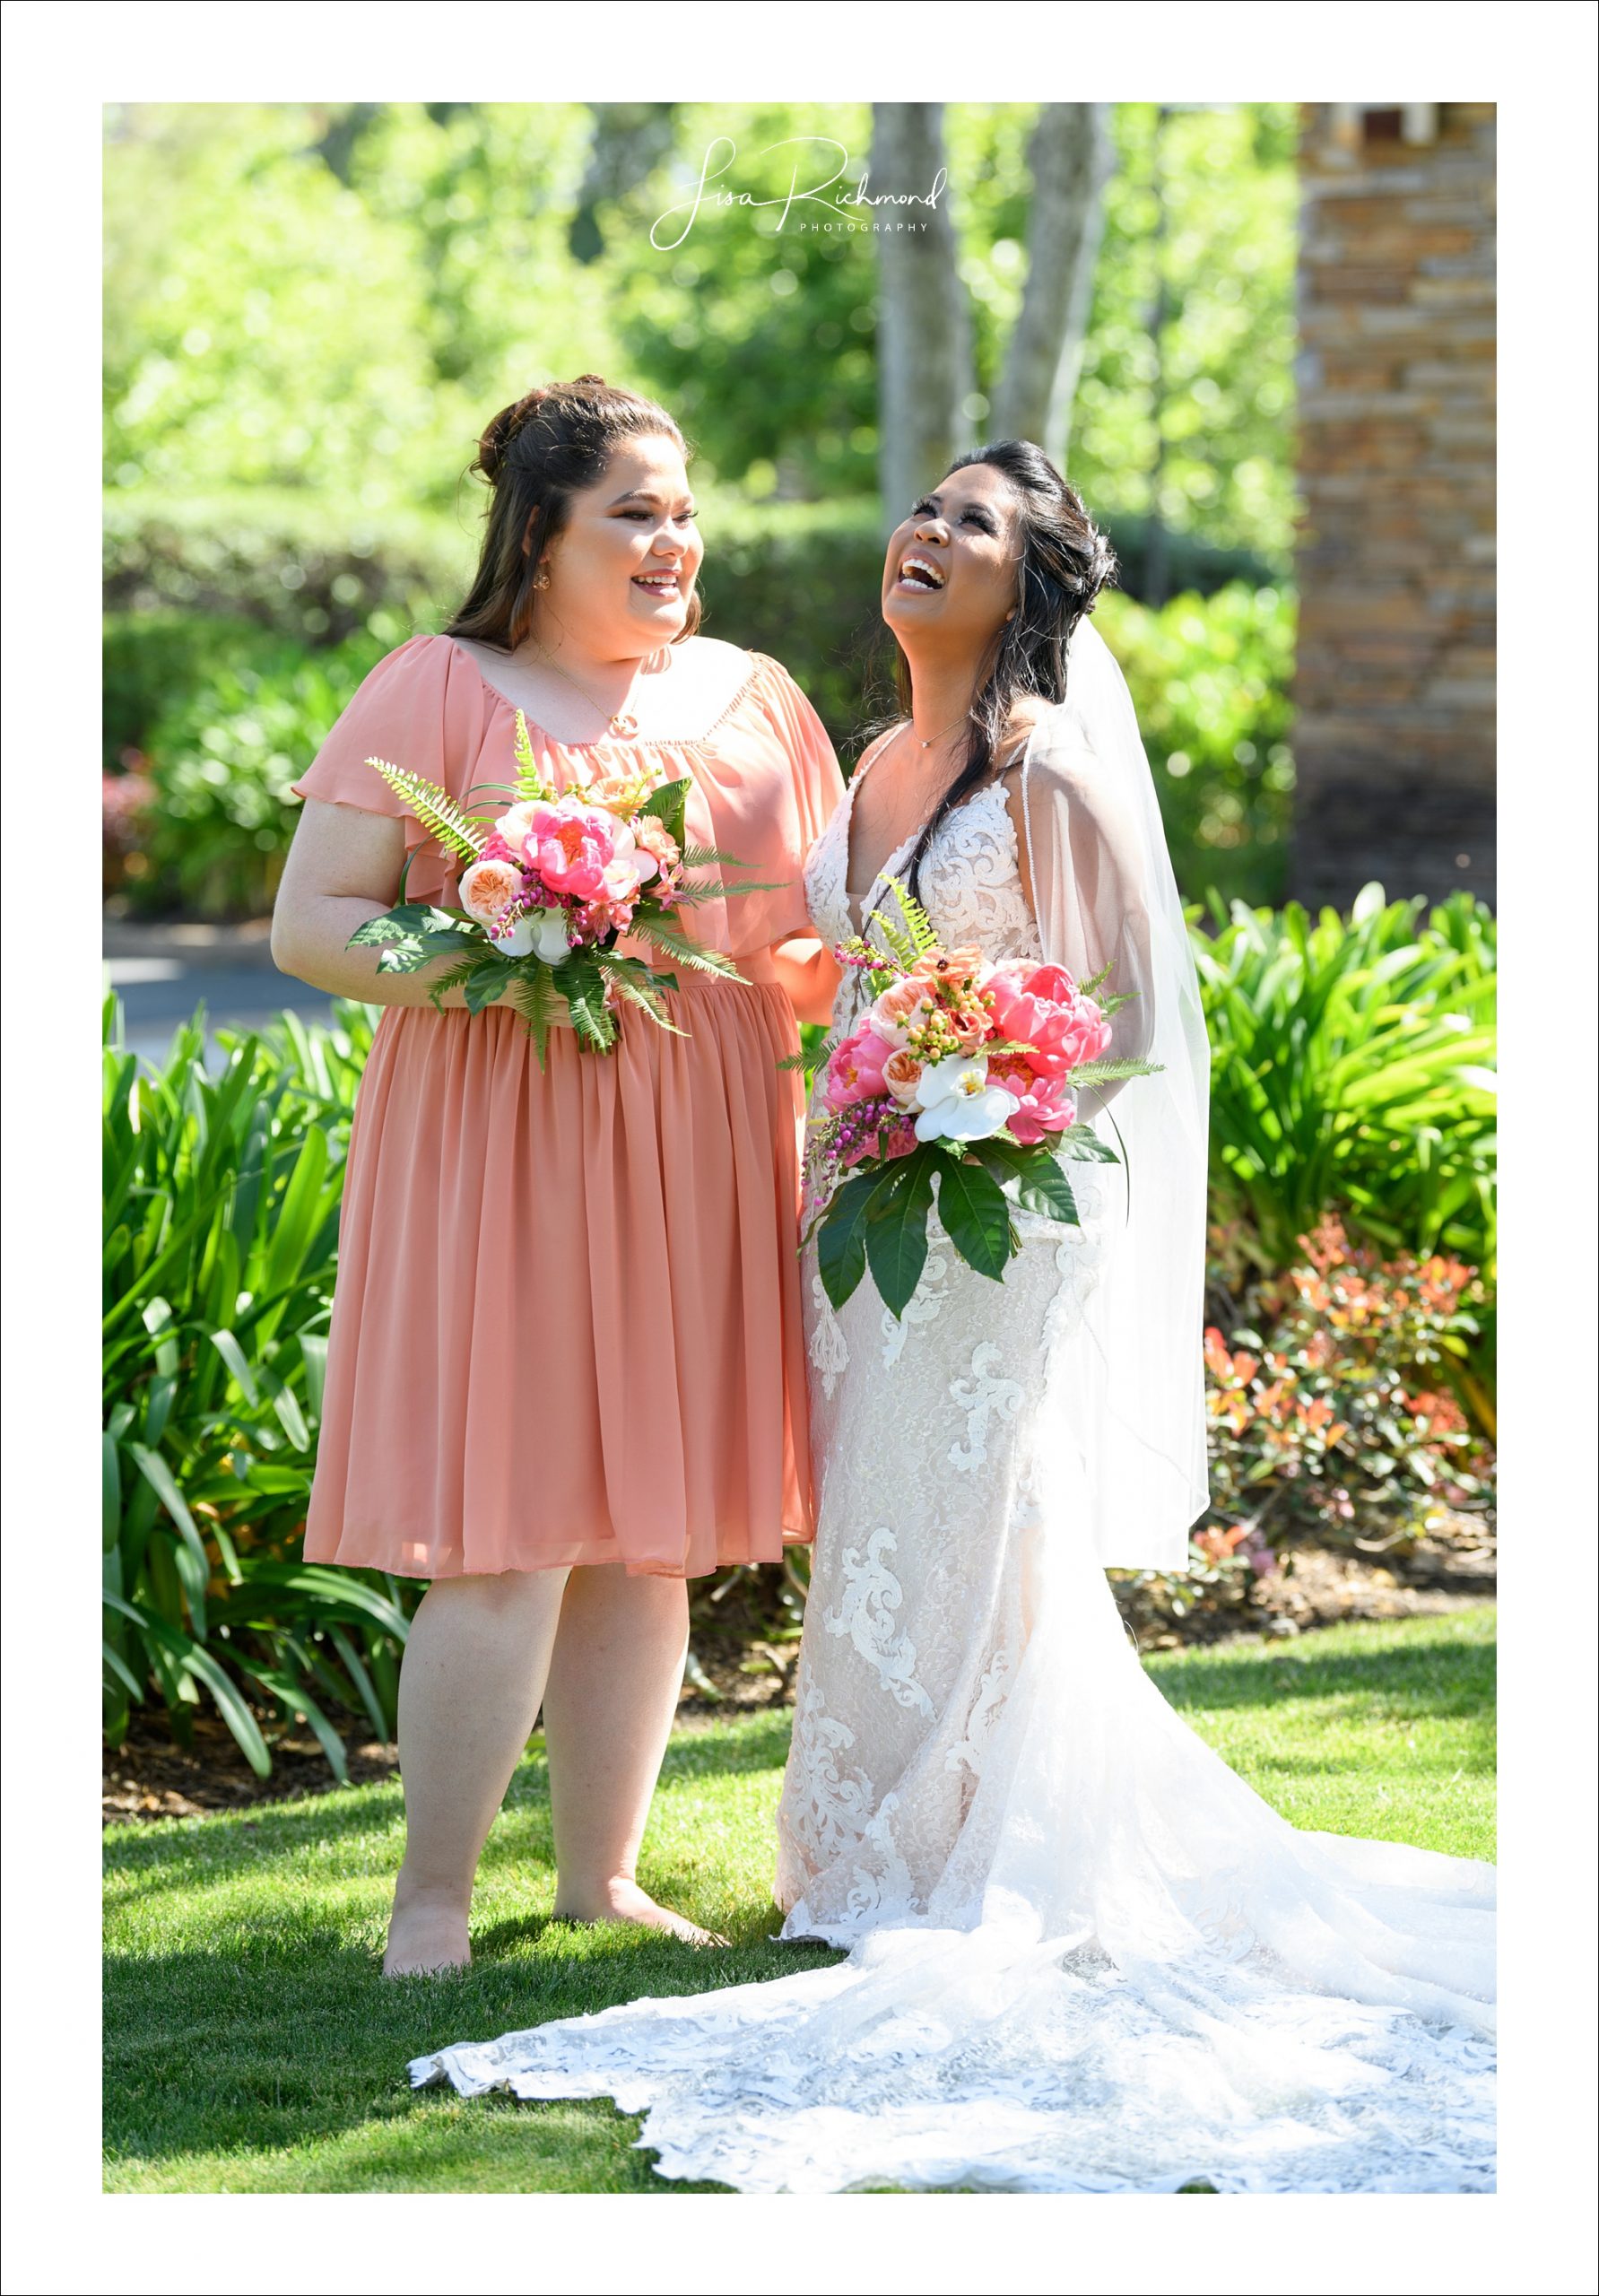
(435, 808)
(1043, 1187)
(896, 1228)
(669, 804)
(124, 1672)
(313, 1351)
(535, 996)
(1080, 1144)
(110, 1488)
(664, 934)
(297, 1699)
(581, 983)
(298, 1212)
(227, 1346)
(840, 1236)
(159, 1476)
(975, 1216)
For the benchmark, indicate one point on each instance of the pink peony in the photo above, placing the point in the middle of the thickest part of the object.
(488, 887)
(1042, 1010)
(855, 1072)
(1043, 1105)
(1089, 1036)
(575, 849)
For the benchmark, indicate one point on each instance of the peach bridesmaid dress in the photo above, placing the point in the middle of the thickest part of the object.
(567, 1327)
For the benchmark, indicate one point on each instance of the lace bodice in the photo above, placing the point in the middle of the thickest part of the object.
(970, 884)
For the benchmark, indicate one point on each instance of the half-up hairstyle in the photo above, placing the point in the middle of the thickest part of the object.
(535, 455)
(1065, 562)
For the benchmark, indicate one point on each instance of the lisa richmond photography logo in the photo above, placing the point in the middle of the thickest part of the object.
(811, 168)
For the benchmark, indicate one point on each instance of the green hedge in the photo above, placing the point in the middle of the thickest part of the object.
(222, 710)
(1210, 678)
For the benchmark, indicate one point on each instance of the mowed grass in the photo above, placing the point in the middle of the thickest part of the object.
(251, 2045)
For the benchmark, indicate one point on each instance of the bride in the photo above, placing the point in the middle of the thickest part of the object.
(1082, 1955)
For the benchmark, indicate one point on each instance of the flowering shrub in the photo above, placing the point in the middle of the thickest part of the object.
(124, 801)
(1336, 1413)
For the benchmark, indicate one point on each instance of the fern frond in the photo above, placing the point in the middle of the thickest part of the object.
(677, 945)
(530, 782)
(916, 921)
(623, 976)
(484, 978)
(535, 999)
(1112, 1072)
(435, 809)
(1088, 987)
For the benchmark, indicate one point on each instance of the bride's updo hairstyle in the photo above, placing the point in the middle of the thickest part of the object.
(1065, 564)
(535, 455)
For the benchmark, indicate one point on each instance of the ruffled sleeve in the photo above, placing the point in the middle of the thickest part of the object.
(420, 708)
(815, 787)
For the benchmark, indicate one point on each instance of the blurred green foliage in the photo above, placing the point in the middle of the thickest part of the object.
(310, 310)
(333, 299)
(1209, 680)
(222, 759)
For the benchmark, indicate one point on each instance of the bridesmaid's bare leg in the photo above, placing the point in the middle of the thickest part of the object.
(608, 1708)
(470, 1685)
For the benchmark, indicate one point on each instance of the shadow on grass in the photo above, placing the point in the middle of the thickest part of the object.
(205, 2054)
(1452, 1674)
(165, 1854)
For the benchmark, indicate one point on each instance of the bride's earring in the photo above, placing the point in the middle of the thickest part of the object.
(540, 581)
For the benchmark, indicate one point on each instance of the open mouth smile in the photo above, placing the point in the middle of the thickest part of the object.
(656, 586)
(920, 574)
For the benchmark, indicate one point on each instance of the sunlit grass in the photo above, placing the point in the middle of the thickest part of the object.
(253, 2047)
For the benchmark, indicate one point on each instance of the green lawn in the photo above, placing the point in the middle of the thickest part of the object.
(252, 2046)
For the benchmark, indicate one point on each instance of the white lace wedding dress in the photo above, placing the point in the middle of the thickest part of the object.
(1084, 1956)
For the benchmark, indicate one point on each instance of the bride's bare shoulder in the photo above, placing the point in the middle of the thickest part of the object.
(1024, 714)
(710, 657)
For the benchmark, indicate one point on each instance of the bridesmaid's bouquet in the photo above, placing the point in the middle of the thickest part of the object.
(961, 1081)
(549, 886)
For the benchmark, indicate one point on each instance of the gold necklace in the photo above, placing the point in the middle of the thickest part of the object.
(622, 723)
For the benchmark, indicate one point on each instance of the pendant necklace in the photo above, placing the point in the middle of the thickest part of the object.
(622, 722)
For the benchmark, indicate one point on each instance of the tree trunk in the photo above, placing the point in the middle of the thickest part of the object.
(924, 373)
(1070, 156)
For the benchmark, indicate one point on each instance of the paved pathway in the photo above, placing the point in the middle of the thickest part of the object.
(163, 971)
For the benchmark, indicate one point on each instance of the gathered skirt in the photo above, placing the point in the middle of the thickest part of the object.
(566, 1327)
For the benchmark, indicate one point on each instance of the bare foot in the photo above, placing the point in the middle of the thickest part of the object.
(425, 1938)
(626, 1901)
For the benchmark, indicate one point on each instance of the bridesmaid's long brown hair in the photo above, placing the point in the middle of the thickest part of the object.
(535, 454)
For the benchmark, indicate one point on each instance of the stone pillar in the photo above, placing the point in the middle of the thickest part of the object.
(1394, 739)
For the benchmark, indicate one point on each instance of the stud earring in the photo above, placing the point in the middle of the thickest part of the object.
(540, 581)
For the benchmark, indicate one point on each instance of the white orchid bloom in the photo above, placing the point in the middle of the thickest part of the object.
(959, 1103)
(548, 937)
(517, 941)
(540, 934)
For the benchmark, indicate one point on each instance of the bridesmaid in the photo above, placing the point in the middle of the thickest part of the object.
(565, 1369)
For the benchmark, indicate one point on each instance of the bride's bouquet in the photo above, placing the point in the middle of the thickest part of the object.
(959, 1081)
(549, 886)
